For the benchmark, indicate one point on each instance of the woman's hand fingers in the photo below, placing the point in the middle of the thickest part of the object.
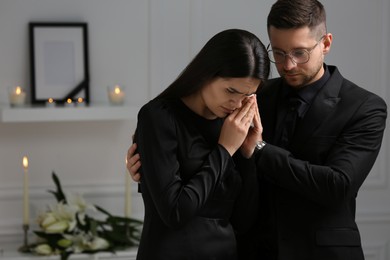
(236, 126)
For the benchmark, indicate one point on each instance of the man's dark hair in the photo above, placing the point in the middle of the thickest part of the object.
(290, 14)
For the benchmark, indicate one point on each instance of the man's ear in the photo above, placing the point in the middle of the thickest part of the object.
(327, 43)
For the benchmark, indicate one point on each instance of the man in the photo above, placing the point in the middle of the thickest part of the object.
(322, 133)
(310, 176)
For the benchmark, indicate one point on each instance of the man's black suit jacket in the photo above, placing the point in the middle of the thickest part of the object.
(309, 192)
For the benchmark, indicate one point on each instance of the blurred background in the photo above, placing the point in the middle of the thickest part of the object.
(144, 45)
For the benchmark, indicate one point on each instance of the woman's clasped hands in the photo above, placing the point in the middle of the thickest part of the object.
(242, 129)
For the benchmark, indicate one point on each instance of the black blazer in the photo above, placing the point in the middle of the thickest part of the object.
(309, 193)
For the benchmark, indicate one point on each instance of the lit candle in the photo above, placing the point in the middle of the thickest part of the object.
(80, 102)
(17, 97)
(26, 210)
(127, 193)
(116, 95)
(69, 103)
(50, 103)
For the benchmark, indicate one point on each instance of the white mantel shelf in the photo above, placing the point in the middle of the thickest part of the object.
(62, 114)
(10, 252)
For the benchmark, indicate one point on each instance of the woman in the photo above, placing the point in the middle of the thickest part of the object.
(198, 191)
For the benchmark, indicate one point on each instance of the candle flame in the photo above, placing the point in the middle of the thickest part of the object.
(80, 100)
(50, 100)
(25, 162)
(69, 101)
(117, 90)
(18, 90)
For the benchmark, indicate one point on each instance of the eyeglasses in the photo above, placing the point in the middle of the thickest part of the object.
(298, 56)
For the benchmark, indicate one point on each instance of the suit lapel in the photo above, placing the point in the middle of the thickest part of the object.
(323, 104)
(271, 111)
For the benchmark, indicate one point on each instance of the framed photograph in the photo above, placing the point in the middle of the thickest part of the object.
(59, 62)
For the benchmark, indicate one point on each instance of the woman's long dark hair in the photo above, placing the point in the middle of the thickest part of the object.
(232, 53)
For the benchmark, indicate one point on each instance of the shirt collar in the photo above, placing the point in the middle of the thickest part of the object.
(308, 92)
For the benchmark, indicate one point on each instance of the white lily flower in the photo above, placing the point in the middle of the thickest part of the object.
(43, 249)
(72, 225)
(81, 204)
(80, 242)
(64, 211)
(81, 216)
(57, 227)
(46, 219)
(78, 201)
(99, 243)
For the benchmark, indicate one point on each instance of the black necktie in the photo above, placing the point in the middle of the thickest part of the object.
(290, 120)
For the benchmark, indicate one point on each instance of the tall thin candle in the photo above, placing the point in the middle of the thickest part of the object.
(26, 210)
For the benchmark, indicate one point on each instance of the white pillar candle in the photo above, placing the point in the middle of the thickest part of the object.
(116, 95)
(17, 96)
(26, 209)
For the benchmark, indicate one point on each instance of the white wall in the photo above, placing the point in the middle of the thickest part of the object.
(87, 156)
(118, 41)
(144, 45)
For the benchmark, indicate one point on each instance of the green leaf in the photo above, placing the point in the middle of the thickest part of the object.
(102, 210)
(93, 226)
(59, 194)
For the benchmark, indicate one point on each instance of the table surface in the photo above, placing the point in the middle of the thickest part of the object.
(10, 252)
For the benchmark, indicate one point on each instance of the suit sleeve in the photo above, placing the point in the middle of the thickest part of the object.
(176, 201)
(346, 163)
(246, 208)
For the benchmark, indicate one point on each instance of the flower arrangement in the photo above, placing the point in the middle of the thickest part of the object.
(66, 228)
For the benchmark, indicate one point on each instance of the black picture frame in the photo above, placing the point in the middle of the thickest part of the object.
(58, 61)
